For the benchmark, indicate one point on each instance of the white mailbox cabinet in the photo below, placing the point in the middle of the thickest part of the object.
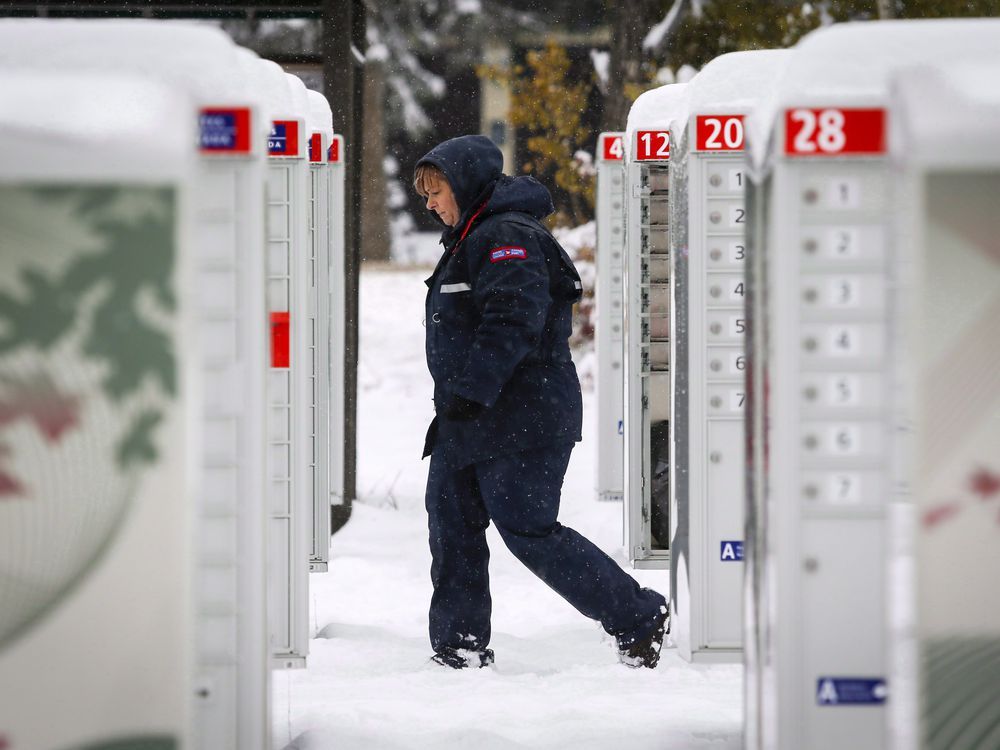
(320, 135)
(944, 535)
(101, 429)
(708, 357)
(609, 328)
(231, 698)
(289, 387)
(823, 432)
(651, 123)
(336, 287)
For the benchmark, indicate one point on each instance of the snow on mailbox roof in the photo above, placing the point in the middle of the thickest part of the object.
(197, 58)
(656, 110)
(320, 114)
(275, 89)
(300, 97)
(249, 65)
(851, 63)
(127, 114)
(951, 114)
(736, 81)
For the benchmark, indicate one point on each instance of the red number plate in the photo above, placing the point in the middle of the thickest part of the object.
(612, 147)
(719, 133)
(652, 145)
(833, 132)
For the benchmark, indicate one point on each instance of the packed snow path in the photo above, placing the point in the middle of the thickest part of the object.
(556, 683)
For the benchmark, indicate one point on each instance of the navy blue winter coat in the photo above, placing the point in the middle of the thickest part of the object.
(499, 314)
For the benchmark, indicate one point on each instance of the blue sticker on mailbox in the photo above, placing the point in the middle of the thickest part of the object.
(731, 551)
(851, 691)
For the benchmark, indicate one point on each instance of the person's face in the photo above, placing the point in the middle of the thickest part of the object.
(441, 200)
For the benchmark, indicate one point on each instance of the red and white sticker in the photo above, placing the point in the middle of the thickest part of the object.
(652, 145)
(719, 133)
(835, 132)
(507, 253)
(612, 147)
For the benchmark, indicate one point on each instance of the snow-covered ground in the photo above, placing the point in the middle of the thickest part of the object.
(556, 683)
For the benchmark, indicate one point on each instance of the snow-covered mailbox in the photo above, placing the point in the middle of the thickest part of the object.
(823, 435)
(289, 387)
(97, 430)
(651, 122)
(232, 692)
(320, 135)
(708, 358)
(337, 291)
(945, 636)
(609, 325)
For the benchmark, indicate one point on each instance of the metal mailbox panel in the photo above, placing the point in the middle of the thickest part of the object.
(609, 327)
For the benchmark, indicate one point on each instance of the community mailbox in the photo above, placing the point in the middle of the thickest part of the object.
(337, 289)
(945, 539)
(231, 698)
(708, 357)
(98, 364)
(822, 432)
(652, 123)
(289, 387)
(320, 135)
(610, 324)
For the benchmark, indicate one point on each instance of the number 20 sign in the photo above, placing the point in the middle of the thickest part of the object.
(719, 133)
(834, 132)
(652, 145)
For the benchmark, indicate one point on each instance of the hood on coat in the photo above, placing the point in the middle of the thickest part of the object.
(473, 166)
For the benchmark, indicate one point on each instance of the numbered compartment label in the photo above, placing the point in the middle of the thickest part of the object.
(726, 253)
(723, 177)
(842, 440)
(848, 244)
(726, 216)
(842, 488)
(724, 328)
(843, 193)
(727, 363)
(856, 344)
(726, 400)
(842, 292)
(726, 289)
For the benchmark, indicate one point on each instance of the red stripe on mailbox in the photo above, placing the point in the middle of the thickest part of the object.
(280, 339)
(316, 147)
(333, 153)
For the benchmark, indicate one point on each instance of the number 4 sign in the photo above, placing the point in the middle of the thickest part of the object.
(612, 148)
(652, 145)
(834, 132)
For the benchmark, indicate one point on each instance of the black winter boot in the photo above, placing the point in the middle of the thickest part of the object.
(460, 658)
(646, 652)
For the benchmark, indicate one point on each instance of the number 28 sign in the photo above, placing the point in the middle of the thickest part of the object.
(834, 132)
(652, 145)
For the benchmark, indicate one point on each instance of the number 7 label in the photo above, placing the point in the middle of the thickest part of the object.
(834, 132)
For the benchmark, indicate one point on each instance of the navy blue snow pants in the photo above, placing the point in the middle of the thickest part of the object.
(520, 493)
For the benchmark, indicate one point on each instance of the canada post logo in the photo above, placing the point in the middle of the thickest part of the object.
(284, 138)
(507, 253)
(224, 131)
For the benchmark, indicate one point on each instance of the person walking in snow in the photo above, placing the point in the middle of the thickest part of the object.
(508, 410)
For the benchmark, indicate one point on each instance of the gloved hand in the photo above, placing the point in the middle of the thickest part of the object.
(460, 409)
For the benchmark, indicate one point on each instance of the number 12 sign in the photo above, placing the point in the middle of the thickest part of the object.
(719, 133)
(834, 132)
(652, 145)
